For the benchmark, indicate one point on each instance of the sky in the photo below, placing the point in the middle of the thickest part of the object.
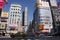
(24, 3)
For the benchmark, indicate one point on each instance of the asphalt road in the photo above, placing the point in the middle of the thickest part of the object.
(32, 38)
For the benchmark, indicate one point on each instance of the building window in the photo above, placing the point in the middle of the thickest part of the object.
(18, 9)
(2, 25)
(11, 9)
(16, 12)
(13, 15)
(11, 12)
(14, 9)
(46, 22)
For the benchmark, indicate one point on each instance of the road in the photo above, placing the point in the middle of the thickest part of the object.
(32, 38)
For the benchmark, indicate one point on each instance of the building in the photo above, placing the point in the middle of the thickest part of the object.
(55, 15)
(15, 17)
(3, 21)
(25, 19)
(31, 29)
(42, 17)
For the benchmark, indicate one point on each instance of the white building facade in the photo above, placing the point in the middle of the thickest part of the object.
(15, 16)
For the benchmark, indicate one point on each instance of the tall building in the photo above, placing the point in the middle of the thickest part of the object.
(15, 16)
(25, 19)
(42, 17)
(3, 21)
(55, 14)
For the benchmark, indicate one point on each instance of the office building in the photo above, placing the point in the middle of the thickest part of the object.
(15, 17)
(55, 15)
(42, 17)
(25, 19)
(3, 21)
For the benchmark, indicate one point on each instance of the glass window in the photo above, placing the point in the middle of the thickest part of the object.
(41, 19)
(11, 12)
(2, 25)
(11, 9)
(14, 9)
(16, 12)
(15, 15)
(46, 22)
(18, 9)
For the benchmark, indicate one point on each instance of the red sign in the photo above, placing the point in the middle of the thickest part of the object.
(1, 3)
(1, 0)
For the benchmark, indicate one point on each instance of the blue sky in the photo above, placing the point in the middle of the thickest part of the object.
(24, 3)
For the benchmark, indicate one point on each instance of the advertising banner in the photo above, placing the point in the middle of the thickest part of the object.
(53, 2)
(43, 4)
(1, 3)
(4, 14)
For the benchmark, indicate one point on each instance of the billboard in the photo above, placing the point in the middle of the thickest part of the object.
(4, 14)
(53, 2)
(43, 4)
(1, 3)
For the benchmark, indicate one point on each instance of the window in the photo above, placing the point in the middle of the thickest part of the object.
(14, 9)
(11, 12)
(18, 12)
(18, 9)
(11, 9)
(2, 25)
(46, 22)
(41, 22)
(15, 15)
(41, 19)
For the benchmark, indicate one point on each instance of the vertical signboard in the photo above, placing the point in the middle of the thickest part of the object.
(1, 3)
